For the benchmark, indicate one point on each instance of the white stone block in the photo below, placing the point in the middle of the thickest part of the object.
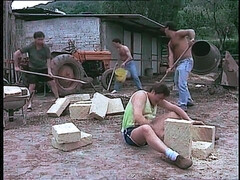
(115, 106)
(177, 136)
(79, 111)
(203, 133)
(85, 140)
(58, 107)
(201, 149)
(66, 133)
(99, 106)
(78, 97)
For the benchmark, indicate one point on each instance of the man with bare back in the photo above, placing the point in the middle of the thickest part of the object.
(179, 41)
(141, 127)
(128, 64)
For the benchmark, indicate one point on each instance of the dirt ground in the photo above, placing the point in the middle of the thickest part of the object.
(28, 153)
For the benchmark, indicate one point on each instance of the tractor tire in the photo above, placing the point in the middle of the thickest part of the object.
(105, 79)
(66, 66)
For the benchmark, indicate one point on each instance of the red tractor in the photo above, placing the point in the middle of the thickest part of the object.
(77, 64)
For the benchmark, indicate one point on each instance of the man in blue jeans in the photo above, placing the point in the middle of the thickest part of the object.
(179, 41)
(128, 64)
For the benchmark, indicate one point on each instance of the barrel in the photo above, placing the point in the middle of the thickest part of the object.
(206, 57)
(149, 72)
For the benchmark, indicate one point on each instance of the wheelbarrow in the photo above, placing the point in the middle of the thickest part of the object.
(16, 101)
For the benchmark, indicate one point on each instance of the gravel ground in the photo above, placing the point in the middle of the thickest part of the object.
(28, 153)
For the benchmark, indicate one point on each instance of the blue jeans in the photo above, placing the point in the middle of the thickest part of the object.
(131, 67)
(182, 71)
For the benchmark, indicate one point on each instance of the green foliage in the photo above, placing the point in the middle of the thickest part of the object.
(211, 19)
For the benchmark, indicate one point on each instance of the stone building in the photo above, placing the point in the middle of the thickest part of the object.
(89, 31)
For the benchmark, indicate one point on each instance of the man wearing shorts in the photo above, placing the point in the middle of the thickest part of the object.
(39, 61)
(141, 127)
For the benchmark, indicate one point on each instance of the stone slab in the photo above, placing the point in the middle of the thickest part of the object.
(78, 97)
(201, 149)
(177, 136)
(115, 106)
(203, 133)
(66, 133)
(99, 106)
(79, 111)
(58, 107)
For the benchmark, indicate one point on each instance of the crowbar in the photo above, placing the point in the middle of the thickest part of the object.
(53, 76)
(175, 63)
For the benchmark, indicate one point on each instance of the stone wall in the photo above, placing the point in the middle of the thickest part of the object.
(84, 30)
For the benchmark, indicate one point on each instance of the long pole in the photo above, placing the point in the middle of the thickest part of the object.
(175, 63)
(53, 76)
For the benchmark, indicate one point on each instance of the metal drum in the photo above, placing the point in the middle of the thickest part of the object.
(206, 58)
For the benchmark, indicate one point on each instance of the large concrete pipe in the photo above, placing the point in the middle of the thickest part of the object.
(206, 58)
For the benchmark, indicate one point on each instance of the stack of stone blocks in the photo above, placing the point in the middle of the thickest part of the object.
(81, 106)
(189, 140)
(68, 137)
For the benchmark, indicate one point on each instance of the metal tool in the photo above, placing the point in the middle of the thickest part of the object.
(175, 62)
(110, 82)
(53, 76)
(90, 82)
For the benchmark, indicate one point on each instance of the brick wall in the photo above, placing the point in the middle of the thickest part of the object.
(84, 30)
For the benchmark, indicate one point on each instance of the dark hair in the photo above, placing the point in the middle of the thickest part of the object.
(116, 40)
(171, 25)
(159, 88)
(38, 34)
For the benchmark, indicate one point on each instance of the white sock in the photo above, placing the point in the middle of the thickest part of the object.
(172, 155)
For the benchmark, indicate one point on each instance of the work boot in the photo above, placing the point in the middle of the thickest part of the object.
(182, 162)
(190, 104)
(114, 91)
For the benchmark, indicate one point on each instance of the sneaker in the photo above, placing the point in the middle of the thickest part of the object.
(182, 162)
(114, 91)
(183, 107)
(190, 104)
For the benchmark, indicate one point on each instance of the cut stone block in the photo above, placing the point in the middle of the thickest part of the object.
(79, 110)
(83, 102)
(66, 133)
(71, 146)
(115, 106)
(11, 91)
(58, 107)
(78, 97)
(99, 106)
(201, 149)
(177, 136)
(203, 133)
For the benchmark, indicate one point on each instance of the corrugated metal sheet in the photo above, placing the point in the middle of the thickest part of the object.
(136, 20)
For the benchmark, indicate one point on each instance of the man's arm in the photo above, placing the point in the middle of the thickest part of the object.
(170, 58)
(49, 66)
(49, 61)
(190, 33)
(129, 56)
(171, 107)
(138, 104)
(16, 56)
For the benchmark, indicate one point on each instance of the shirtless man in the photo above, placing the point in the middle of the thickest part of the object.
(141, 127)
(39, 61)
(128, 64)
(179, 41)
